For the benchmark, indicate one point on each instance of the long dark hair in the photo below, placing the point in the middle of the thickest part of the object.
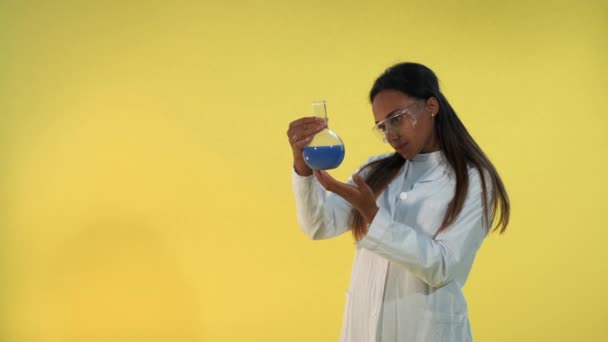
(458, 146)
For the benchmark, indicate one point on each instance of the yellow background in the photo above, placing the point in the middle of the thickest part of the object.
(145, 187)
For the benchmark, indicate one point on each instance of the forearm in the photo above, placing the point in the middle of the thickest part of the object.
(321, 215)
(435, 261)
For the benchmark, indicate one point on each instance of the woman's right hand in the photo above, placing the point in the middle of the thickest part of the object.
(300, 134)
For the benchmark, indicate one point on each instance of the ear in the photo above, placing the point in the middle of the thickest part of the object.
(432, 105)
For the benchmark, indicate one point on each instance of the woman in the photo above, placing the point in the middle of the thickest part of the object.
(418, 215)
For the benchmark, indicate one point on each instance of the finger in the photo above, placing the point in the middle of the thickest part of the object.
(327, 176)
(301, 139)
(305, 121)
(311, 130)
(358, 180)
(305, 130)
(362, 185)
(321, 179)
(346, 191)
(301, 143)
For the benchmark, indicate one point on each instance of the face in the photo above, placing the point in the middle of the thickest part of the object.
(408, 139)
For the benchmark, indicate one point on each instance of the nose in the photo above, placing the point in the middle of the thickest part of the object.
(391, 135)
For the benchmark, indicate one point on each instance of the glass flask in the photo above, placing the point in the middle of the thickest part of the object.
(326, 150)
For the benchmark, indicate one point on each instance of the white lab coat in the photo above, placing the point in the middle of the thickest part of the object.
(405, 285)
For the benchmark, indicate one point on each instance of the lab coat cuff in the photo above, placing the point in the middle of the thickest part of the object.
(377, 230)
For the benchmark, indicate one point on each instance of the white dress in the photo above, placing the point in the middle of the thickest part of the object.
(405, 285)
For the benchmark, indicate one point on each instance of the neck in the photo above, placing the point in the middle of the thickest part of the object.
(431, 145)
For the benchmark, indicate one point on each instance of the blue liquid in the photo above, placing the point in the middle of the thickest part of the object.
(323, 157)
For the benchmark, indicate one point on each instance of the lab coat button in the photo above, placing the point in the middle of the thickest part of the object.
(403, 196)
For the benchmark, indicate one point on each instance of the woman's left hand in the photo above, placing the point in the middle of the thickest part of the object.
(361, 197)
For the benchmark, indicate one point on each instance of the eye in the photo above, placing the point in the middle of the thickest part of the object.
(381, 127)
(396, 119)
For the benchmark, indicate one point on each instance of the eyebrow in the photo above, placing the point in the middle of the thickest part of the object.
(391, 113)
(396, 110)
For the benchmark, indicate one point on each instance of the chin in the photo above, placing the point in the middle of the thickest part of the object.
(400, 151)
(404, 154)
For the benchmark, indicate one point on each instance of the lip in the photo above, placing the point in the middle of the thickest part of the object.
(400, 147)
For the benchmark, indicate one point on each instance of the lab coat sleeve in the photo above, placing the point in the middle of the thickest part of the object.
(321, 214)
(436, 261)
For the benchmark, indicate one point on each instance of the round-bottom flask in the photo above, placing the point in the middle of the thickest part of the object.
(326, 150)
